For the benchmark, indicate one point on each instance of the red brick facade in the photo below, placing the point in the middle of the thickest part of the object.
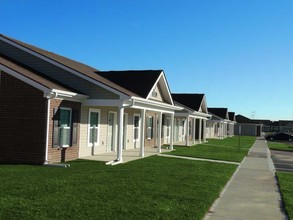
(22, 122)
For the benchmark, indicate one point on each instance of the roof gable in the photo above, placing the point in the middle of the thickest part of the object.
(220, 112)
(140, 82)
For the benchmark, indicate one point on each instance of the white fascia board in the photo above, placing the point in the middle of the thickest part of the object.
(156, 104)
(197, 116)
(70, 94)
(148, 108)
(122, 95)
(25, 79)
(103, 102)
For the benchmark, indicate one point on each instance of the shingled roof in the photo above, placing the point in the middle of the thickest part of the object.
(71, 64)
(244, 120)
(27, 73)
(139, 82)
(192, 101)
(231, 116)
(220, 112)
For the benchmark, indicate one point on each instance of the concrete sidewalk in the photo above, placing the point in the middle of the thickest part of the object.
(252, 193)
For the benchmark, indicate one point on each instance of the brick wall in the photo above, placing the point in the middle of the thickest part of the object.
(56, 154)
(22, 122)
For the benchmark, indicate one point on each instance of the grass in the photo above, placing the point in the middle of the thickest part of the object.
(150, 188)
(280, 146)
(226, 149)
(285, 181)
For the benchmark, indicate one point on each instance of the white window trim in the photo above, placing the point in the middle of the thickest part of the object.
(115, 135)
(139, 127)
(88, 127)
(70, 121)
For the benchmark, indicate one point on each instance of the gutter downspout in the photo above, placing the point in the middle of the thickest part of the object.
(49, 97)
(118, 160)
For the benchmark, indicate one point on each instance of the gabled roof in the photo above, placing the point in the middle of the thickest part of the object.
(139, 82)
(192, 101)
(220, 112)
(30, 75)
(244, 120)
(231, 116)
(81, 68)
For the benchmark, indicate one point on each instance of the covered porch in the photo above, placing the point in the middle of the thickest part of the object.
(128, 155)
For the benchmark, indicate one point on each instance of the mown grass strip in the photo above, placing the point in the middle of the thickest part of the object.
(228, 149)
(280, 146)
(150, 188)
(285, 181)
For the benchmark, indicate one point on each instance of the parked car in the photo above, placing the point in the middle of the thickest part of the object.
(280, 136)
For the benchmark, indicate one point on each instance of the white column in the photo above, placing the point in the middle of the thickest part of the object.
(120, 134)
(159, 133)
(172, 132)
(200, 130)
(187, 131)
(193, 130)
(142, 126)
(204, 130)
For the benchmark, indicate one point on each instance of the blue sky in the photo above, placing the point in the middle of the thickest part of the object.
(238, 52)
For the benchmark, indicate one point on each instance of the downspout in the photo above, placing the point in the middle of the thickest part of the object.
(49, 97)
(117, 160)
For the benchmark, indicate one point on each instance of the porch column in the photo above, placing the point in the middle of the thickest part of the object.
(120, 134)
(159, 147)
(193, 130)
(200, 130)
(204, 130)
(172, 132)
(142, 126)
(187, 131)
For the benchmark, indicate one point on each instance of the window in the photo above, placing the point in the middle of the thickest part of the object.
(136, 126)
(154, 94)
(150, 122)
(189, 128)
(168, 127)
(183, 127)
(93, 127)
(65, 127)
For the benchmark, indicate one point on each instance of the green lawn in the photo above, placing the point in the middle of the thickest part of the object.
(280, 146)
(150, 188)
(286, 184)
(226, 149)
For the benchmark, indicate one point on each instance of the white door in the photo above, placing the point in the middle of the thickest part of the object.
(111, 142)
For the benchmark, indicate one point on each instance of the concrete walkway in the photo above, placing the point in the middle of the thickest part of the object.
(252, 193)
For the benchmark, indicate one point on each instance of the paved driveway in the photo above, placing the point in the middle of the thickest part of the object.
(283, 160)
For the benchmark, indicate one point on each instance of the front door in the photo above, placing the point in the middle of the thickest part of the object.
(111, 142)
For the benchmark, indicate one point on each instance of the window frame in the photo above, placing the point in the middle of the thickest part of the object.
(89, 127)
(70, 126)
(136, 128)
